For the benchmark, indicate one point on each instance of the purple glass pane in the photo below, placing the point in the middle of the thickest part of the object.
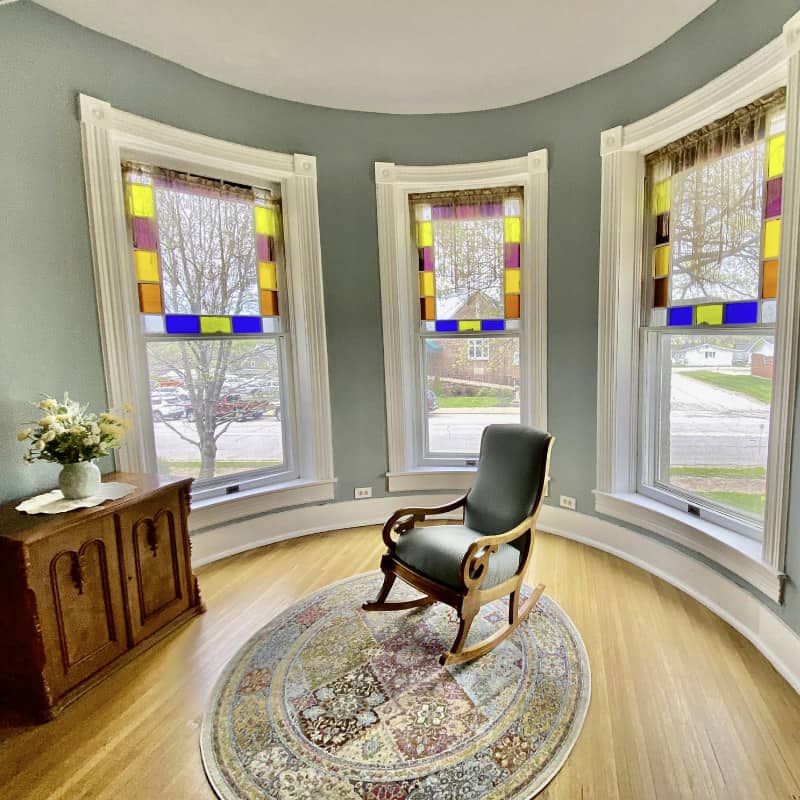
(740, 313)
(493, 324)
(491, 209)
(442, 212)
(447, 325)
(145, 234)
(511, 252)
(682, 315)
(182, 323)
(774, 196)
(246, 324)
(264, 247)
(426, 259)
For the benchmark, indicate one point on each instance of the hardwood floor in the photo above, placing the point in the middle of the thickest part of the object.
(682, 706)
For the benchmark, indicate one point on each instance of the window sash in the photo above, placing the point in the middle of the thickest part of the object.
(652, 405)
(440, 458)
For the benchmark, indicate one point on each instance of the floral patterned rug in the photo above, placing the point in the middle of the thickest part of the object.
(328, 702)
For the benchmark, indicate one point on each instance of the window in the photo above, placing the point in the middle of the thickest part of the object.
(463, 271)
(715, 217)
(478, 350)
(209, 279)
(468, 245)
(207, 258)
(698, 225)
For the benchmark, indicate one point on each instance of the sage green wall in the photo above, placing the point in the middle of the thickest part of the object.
(48, 316)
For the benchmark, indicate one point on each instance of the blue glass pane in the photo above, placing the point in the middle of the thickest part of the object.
(247, 324)
(446, 324)
(740, 313)
(493, 324)
(682, 315)
(182, 323)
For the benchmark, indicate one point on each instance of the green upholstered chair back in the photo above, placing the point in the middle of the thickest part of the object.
(511, 477)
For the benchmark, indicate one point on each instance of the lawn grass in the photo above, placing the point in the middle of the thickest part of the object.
(474, 402)
(750, 385)
(740, 501)
(720, 472)
(219, 464)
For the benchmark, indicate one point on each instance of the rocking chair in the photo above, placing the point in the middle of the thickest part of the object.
(468, 565)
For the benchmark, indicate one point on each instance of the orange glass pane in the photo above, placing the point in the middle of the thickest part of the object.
(150, 298)
(769, 283)
(427, 308)
(512, 306)
(269, 303)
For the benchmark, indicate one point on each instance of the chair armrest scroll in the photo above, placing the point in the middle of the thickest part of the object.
(475, 563)
(403, 519)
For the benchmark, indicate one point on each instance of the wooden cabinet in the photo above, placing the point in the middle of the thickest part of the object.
(82, 592)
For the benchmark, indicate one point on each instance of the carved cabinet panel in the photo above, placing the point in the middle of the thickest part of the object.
(82, 592)
(153, 549)
(79, 602)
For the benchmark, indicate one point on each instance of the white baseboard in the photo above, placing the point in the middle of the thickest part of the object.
(738, 607)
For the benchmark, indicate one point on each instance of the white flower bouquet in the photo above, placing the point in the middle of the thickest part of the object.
(69, 433)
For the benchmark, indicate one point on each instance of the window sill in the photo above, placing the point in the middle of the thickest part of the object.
(432, 478)
(220, 510)
(733, 551)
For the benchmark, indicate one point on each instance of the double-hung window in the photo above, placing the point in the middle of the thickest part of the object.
(713, 236)
(463, 259)
(468, 245)
(209, 284)
(208, 261)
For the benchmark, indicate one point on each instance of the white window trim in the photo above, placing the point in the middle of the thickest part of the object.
(111, 136)
(621, 248)
(474, 345)
(399, 301)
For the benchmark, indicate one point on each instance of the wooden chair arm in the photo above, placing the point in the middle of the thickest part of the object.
(404, 519)
(475, 563)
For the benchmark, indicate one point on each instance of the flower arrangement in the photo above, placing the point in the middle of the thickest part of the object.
(69, 433)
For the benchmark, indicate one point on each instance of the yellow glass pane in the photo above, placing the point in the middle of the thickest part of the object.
(146, 262)
(140, 200)
(661, 261)
(266, 220)
(424, 234)
(267, 275)
(662, 196)
(426, 284)
(775, 154)
(513, 230)
(708, 315)
(511, 281)
(772, 238)
(469, 324)
(215, 324)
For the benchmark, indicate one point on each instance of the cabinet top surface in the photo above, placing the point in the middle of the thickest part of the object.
(18, 526)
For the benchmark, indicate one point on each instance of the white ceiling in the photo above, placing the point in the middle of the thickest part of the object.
(398, 56)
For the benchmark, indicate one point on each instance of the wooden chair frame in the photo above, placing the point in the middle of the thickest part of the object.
(468, 599)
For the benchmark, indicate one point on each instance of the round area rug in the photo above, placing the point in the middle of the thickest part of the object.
(328, 702)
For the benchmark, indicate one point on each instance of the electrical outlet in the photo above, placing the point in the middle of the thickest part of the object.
(568, 502)
(363, 492)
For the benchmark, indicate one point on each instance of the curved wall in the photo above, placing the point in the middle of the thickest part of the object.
(48, 317)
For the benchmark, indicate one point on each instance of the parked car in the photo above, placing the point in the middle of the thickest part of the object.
(234, 406)
(431, 400)
(169, 411)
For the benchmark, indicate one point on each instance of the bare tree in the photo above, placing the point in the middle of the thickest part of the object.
(208, 266)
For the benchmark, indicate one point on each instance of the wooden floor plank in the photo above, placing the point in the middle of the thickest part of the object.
(682, 705)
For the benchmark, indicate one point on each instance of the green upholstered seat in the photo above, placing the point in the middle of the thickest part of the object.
(437, 552)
